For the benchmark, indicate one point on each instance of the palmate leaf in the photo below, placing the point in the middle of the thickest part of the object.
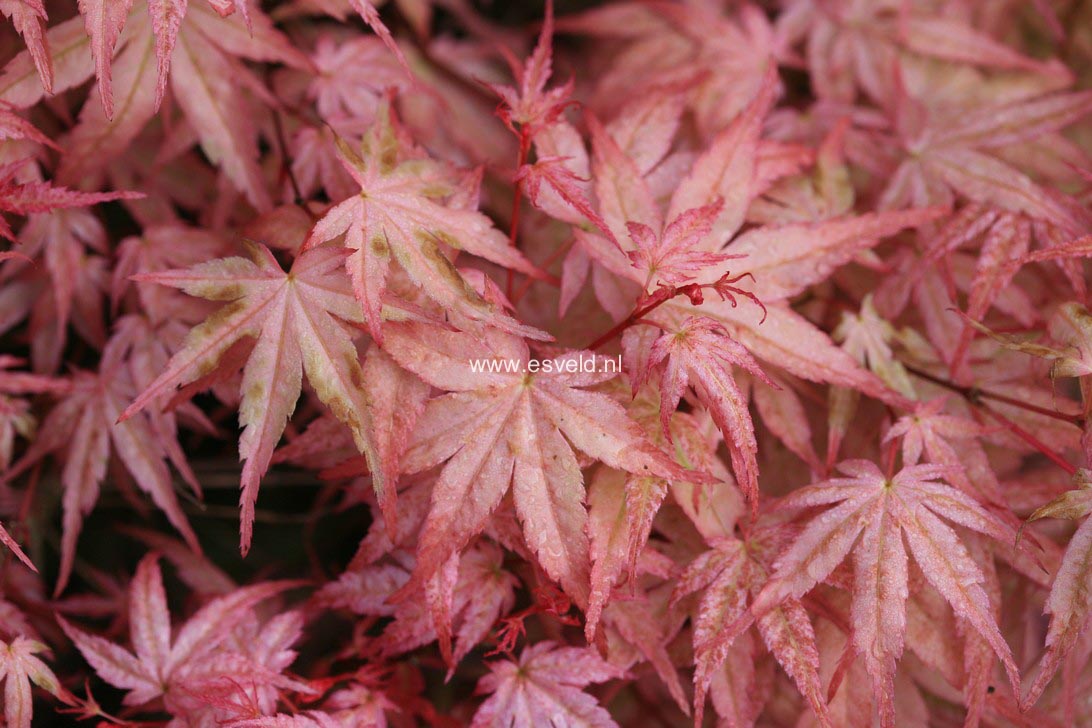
(82, 429)
(544, 688)
(671, 257)
(208, 81)
(724, 56)
(28, 17)
(851, 45)
(15, 418)
(19, 667)
(105, 21)
(875, 518)
(1068, 604)
(702, 242)
(65, 248)
(295, 318)
(950, 152)
(731, 574)
(400, 216)
(497, 428)
(30, 197)
(699, 353)
(531, 105)
(462, 600)
(161, 664)
(930, 433)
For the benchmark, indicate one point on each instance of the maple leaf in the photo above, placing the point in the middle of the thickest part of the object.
(710, 203)
(352, 79)
(700, 352)
(67, 265)
(83, 427)
(864, 214)
(936, 436)
(665, 44)
(295, 318)
(851, 44)
(564, 185)
(780, 260)
(462, 601)
(159, 665)
(206, 81)
(105, 21)
(670, 257)
(876, 517)
(16, 418)
(14, 415)
(536, 115)
(500, 427)
(868, 338)
(732, 573)
(949, 151)
(1005, 241)
(29, 18)
(544, 688)
(13, 127)
(399, 213)
(25, 198)
(246, 677)
(19, 667)
(1068, 603)
(530, 108)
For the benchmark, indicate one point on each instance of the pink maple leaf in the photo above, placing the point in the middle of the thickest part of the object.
(875, 517)
(544, 687)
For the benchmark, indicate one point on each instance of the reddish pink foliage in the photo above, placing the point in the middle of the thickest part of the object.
(630, 362)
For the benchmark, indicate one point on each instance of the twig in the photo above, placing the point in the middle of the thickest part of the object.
(517, 199)
(526, 285)
(694, 291)
(973, 394)
(974, 397)
(1029, 439)
(286, 167)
